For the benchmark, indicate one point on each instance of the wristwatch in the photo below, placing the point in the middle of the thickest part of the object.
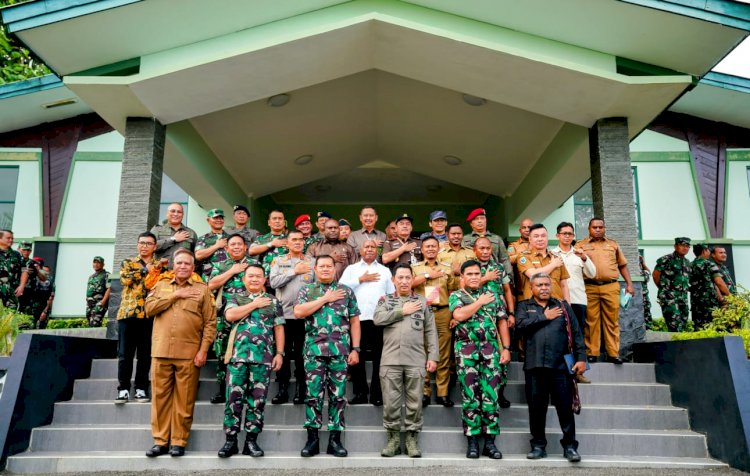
(506, 347)
(283, 354)
(357, 349)
(512, 313)
(426, 275)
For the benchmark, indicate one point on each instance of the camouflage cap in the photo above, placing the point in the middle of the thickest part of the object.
(215, 212)
(99, 259)
(24, 245)
(682, 240)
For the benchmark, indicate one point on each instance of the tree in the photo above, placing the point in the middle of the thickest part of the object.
(16, 62)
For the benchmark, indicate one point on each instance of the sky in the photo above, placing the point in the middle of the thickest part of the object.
(737, 62)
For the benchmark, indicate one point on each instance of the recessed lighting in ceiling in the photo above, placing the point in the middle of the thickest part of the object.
(434, 188)
(474, 100)
(60, 103)
(303, 159)
(278, 100)
(323, 188)
(452, 160)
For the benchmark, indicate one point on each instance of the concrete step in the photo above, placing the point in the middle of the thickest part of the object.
(623, 417)
(637, 394)
(600, 372)
(61, 462)
(436, 440)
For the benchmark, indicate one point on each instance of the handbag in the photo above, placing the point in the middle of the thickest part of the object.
(574, 396)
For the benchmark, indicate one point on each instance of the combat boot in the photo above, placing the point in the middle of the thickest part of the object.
(229, 448)
(282, 396)
(393, 445)
(335, 447)
(312, 447)
(251, 447)
(412, 447)
(221, 395)
(502, 401)
(300, 393)
(490, 449)
(472, 448)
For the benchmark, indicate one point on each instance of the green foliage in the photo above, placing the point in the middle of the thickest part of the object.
(16, 62)
(660, 325)
(11, 323)
(78, 323)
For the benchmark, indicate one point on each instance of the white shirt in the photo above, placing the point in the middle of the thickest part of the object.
(369, 293)
(576, 269)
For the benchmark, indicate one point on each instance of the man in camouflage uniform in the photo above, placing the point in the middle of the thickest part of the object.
(646, 274)
(211, 247)
(173, 235)
(31, 268)
(227, 275)
(241, 216)
(273, 244)
(719, 256)
(45, 296)
(13, 277)
(479, 316)
(410, 351)
(706, 287)
(434, 281)
(331, 330)
(97, 293)
(257, 349)
(672, 277)
(496, 280)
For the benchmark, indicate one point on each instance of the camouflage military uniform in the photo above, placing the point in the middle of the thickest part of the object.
(267, 258)
(309, 241)
(28, 298)
(95, 289)
(327, 344)
(478, 362)
(204, 267)
(726, 276)
(249, 371)
(231, 288)
(673, 290)
(11, 266)
(646, 297)
(703, 297)
(496, 285)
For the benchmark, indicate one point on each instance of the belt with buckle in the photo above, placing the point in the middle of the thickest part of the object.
(599, 283)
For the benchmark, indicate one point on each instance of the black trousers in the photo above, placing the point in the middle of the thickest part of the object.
(135, 341)
(371, 343)
(294, 340)
(580, 311)
(541, 385)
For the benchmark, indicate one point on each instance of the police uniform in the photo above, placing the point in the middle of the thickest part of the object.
(703, 294)
(327, 345)
(536, 259)
(96, 288)
(674, 284)
(480, 373)
(436, 292)
(249, 368)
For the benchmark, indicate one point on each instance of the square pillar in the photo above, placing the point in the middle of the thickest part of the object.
(140, 195)
(612, 189)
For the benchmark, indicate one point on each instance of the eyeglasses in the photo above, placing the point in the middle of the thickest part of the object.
(146, 243)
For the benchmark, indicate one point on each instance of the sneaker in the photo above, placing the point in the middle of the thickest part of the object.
(141, 396)
(122, 397)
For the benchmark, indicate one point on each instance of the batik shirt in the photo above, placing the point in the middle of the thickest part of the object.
(327, 329)
(254, 340)
(136, 282)
(477, 336)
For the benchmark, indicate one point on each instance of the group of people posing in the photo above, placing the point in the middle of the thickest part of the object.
(447, 303)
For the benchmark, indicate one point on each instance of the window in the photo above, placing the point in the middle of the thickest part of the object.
(171, 193)
(583, 204)
(8, 186)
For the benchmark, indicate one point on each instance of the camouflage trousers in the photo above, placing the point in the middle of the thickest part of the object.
(701, 315)
(95, 313)
(646, 304)
(321, 374)
(675, 314)
(481, 381)
(8, 296)
(220, 348)
(247, 384)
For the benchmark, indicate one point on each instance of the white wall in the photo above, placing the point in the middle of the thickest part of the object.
(196, 218)
(110, 142)
(737, 219)
(27, 219)
(91, 205)
(741, 264)
(74, 262)
(650, 141)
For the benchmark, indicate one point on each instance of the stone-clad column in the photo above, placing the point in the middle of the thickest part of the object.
(140, 194)
(612, 189)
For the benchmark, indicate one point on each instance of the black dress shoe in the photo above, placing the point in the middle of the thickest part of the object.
(426, 399)
(282, 396)
(218, 398)
(444, 401)
(376, 401)
(615, 360)
(592, 358)
(359, 399)
(177, 450)
(536, 453)
(504, 403)
(299, 395)
(157, 450)
(571, 455)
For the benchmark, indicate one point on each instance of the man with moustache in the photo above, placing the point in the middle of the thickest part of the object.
(477, 219)
(273, 244)
(404, 249)
(332, 337)
(437, 223)
(211, 247)
(343, 254)
(369, 218)
(241, 216)
(289, 274)
(719, 256)
(304, 226)
(452, 252)
(173, 235)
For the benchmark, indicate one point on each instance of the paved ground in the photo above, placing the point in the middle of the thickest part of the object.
(443, 471)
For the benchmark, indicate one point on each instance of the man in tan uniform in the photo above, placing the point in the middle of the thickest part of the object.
(435, 281)
(516, 248)
(409, 351)
(184, 327)
(603, 292)
(538, 259)
(452, 252)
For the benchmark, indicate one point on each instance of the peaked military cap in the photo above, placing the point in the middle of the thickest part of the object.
(682, 240)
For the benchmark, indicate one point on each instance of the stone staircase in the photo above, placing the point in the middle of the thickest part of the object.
(627, 421)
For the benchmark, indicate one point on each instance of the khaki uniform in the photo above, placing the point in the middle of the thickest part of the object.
(408, 343)
(534, 259)
(514, 252)
(436, 292)
(603, 295)
(450, 257)
(182, 327)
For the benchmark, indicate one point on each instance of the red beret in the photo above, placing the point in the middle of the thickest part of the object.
(301, 218)
(475, 213)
